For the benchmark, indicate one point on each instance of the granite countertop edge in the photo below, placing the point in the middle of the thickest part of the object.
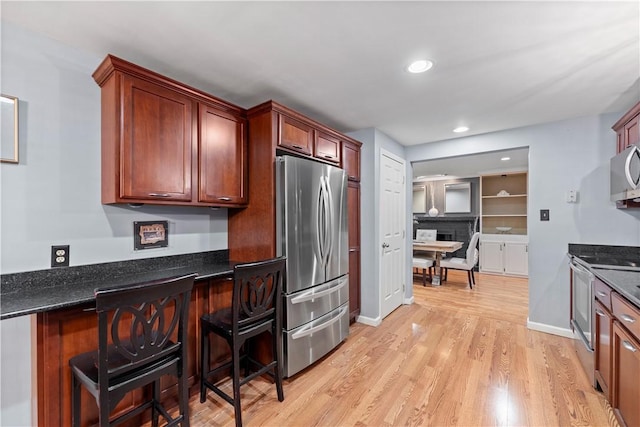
(47, 290)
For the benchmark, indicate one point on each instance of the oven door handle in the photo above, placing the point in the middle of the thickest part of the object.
(580, 270)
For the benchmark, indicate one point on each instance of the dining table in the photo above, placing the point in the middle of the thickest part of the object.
(437, 248)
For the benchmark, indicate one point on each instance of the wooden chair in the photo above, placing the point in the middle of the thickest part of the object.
(256, 307)
(468, 263)
(424, 265)
(145, 319)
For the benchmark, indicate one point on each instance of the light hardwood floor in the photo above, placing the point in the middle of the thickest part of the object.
(454, 357)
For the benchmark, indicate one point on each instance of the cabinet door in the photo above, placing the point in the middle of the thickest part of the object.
(353, 215)
(603, 348)
(631, 132)
(626, 381)
(157, 127)
(222, 157)
(327, 147)
(351, 160)
(295, 135)
(516, 260)
(491, 257)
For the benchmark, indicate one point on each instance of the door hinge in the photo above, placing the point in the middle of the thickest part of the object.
(403, 287)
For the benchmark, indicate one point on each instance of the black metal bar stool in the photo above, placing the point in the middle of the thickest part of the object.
(145, 318)
(256, 308)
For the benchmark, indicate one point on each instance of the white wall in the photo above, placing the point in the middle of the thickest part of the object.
(572, 154)
(53, 195)
(370, 243)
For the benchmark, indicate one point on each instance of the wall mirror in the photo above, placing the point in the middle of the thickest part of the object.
(419, 199)
(457, 197)
(9, 132)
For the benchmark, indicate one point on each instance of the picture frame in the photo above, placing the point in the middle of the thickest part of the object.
(9, 132)
(150, 234)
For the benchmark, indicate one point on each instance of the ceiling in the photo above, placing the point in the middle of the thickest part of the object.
(472, 165)
(498, 65)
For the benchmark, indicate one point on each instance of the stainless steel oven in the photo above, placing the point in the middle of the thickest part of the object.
(582, 314)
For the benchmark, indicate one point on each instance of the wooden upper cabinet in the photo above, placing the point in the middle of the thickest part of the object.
(159, 148)
(156, 142)
(351, 160)
(222, 151)
(327, 147)
(628, 129)
(295, 134)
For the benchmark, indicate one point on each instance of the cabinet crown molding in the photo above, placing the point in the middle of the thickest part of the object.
(112, 64)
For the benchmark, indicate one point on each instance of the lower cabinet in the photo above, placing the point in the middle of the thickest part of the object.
(626, 381)
(65, 333)
(603, 349)
(501, 256)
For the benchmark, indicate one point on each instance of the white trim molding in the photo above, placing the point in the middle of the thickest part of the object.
(554, 330)
(371, 321)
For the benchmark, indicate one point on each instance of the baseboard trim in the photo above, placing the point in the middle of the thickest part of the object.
(553, 330)
(371, 321)
(408, 301)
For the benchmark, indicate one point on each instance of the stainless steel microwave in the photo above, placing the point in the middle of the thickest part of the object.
(625, 174)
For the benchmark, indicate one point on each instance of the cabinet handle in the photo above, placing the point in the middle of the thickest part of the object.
(353, 177)
(225, 199)
(626, 344)
(159, 195)
(328, 156)
(299, 147)
(627, 318)
(601, 294)
(599, 312)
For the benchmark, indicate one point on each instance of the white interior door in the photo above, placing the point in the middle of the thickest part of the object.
(392, 232)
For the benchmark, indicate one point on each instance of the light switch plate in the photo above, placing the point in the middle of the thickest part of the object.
(544, 214)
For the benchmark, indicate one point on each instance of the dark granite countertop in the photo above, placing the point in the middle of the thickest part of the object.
(45, 290)
(623, 278)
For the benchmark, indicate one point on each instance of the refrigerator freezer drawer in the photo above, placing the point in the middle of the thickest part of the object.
(310, 304)
(308, 343)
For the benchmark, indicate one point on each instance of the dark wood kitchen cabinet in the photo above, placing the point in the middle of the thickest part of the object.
(222, 157)
(164, 142)
(351, 165)
(64, 333)
(275, 129)
(628, 129)
(295, 134)
(353, 207)
(626, 381)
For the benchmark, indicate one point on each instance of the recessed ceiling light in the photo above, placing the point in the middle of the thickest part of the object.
(420, 66)
(461, 129)
(504, 159)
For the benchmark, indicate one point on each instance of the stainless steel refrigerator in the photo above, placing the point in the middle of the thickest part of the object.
(312, 232)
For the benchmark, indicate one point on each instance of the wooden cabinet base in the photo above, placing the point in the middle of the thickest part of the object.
(65, 333)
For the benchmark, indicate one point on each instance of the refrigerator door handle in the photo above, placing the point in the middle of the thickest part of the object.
(320, 223)
(313, 329)
(330, 220)
(313, 294)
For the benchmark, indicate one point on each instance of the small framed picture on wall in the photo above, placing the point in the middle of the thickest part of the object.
(150, 234)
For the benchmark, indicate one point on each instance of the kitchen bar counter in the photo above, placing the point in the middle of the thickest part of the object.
(46, 290)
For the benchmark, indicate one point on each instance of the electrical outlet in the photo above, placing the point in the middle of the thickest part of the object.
(60, 256)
